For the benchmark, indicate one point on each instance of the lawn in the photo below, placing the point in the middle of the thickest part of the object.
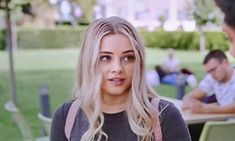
(56, 69)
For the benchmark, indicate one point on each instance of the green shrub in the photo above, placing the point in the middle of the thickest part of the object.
(60, 37)
(216, 40)
(183, 40)
(187, 41)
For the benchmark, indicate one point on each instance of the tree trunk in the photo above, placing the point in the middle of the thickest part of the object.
(87, 9)
(10, 50)
(202, 41)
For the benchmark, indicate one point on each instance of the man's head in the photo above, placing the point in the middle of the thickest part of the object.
(217, 65)
(228, 8)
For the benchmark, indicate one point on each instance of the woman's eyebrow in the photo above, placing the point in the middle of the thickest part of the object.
(129, 51)
(106, 52)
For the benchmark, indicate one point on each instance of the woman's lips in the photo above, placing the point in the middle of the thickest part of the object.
(116, 81)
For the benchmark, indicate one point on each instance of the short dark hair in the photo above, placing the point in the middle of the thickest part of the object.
(215, 54)
(228, 7)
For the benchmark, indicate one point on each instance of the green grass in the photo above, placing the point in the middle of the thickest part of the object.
(59, 84)
(56, 69)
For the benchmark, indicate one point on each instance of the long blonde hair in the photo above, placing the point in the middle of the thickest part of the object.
(141, 114)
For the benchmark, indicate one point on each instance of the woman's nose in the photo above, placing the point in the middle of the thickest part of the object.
(117, 67)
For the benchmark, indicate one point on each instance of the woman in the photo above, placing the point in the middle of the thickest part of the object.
(228, 7)
(115, 100)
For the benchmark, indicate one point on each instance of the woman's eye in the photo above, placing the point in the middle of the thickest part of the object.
(129, 58)
(105, 58)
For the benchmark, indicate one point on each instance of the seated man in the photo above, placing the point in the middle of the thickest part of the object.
(220, 80)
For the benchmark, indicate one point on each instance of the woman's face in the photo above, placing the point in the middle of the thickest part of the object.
(116, 62)
(230, 32)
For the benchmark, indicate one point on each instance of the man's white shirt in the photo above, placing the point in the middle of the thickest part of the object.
(225, 92)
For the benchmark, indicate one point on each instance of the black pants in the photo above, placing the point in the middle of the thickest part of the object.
(195, 131)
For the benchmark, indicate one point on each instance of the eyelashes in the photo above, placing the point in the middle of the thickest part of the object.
(129, 58)
(105, 58)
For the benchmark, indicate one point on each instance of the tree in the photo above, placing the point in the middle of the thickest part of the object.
(7, 6)
(203, 12)
(87, 7)
(4, 5)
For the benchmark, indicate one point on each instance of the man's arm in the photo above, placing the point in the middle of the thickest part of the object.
(193, 102)
(212, 108)
(194, 96)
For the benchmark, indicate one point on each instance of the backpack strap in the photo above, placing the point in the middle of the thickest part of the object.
(157, 131)
(71, 117)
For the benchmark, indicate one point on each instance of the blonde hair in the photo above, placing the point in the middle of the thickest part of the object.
(141, 114)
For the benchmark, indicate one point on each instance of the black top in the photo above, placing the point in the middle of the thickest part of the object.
(117, 127)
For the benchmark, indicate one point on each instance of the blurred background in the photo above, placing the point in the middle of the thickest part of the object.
(47, 19)
(40, 39)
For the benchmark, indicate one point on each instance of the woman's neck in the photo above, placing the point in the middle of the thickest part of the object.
(113, 103)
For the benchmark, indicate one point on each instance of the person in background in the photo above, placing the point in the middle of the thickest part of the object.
(171, 63)
(115, 100)
(228, 7)
(220, 80)
(171, 73)
(218, 86)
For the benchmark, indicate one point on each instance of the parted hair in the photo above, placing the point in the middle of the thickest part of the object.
(140, 113)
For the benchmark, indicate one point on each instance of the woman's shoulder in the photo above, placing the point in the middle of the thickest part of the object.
(65, 106)
(62, 110)
(164, 106)
(163, 103)
(167, 108)
(171, 119)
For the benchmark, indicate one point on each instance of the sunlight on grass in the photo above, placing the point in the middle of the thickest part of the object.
(41, 59)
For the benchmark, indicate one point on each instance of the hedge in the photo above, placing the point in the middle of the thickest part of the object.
(184, 40)
(216, 40)
(63, 37)
(50, 38)
(1, 40)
